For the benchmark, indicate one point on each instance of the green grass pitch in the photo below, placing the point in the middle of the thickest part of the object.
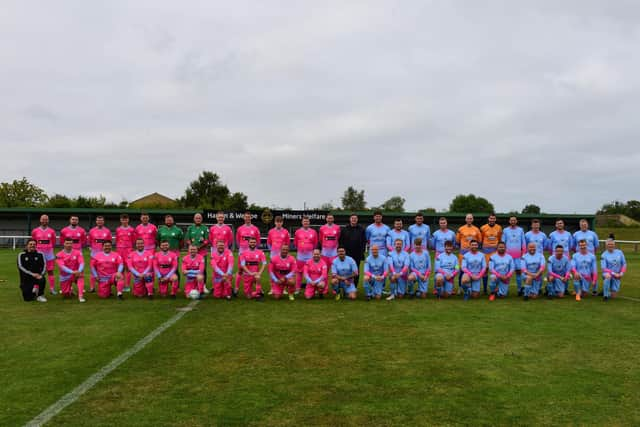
(324, 362)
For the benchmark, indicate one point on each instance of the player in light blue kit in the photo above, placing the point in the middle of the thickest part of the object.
(446, 268)
(376, 269)
(420, 269)
(398, 271)
(588, 236)
(501, 268)
(442, 236)
(376, 233)
(585, 270)
(474, 265)
(536, 236)
(344, 272)
(558, 273)
(614, 266)
(513, 236)
(397, 233)
(419, 230)
(560, 237)
(533, 266)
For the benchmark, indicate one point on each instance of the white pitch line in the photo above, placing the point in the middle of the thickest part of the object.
(629, 298)
(66, 400)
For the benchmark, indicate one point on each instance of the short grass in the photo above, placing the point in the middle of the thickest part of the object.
(323, 362)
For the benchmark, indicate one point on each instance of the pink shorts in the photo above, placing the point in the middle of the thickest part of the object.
(310, 290)
(124, 253)
(278, 289)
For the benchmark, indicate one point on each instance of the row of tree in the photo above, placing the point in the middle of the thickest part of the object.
(208, 191)
(631, 209)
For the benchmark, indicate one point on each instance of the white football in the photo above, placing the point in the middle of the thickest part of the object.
(194, 294)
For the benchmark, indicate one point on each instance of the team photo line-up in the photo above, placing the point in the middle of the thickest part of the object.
(326, 261)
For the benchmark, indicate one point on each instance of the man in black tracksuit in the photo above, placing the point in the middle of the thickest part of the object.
(32, 266)
(353, 239)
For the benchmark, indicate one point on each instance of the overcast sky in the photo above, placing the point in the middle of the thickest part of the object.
(293, 101)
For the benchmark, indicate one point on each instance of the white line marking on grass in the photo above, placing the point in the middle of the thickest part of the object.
(66, 400)
(629, 298)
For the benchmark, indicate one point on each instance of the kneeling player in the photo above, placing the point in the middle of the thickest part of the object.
(193, 265)
(501, 268)
(71, 266)
(282, 270)
(533, 266)
(252, 264)
(315, 276)
(398, 270)
(558, 273)
(376, 269)
(165, 265)
(474, 265)
(106, 267)
(343, 271)
(140, 265)
(446, 268)
(222, 266)
(585, 270)
(420, 267)
(614, 265)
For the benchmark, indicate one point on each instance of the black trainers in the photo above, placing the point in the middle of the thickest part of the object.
(92, 291)
(172, 296)
(526, 298)
(120, 297)
(150, 296)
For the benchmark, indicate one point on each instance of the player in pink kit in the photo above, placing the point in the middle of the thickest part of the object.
(147, 232)
(243, 234)
(165, 265)
(329, 237)
(140, 264)
(220, 231)
(45, 238)
(282, 271)
(222, 267)
(315, 275)
(193, 265)
(74, 232)
(95, 239)
(125, 240)
(278, 236)
(107, 267)
(252, 263)
(305, 240)
(70, 267)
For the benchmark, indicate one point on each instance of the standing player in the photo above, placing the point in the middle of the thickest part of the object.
(45, 238)
(501, 268)
(71, 269)
(474, 266)
(558, 273)
(513, 237)
(376, 233)
(125, 241)
(198, 234)
(420, 267)
(252, 263)
(491, 236)
(220, 231)
(74, 232)
(533, 266)
(441, 237)
(172, 234)
(148, 232)
(282, 271)
(165, 266)
(222, 267)
(344, 272)
(95, 239)
(140, 264)
(329, 238)
(315, 275)
(467, 233)
(244, 233)
(560, 237)
(536, 236)
(614, 266)
(305, 240)
(398, 270)
(376, 269)
(585, 270)
(592, 245)
(193, 266)
(446, 268)
(419, 230)
(353, 239)
(107, 267)
(397, 233)
(278, 236)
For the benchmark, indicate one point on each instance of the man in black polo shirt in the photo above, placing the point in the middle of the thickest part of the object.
(353, 239)
(32, 266)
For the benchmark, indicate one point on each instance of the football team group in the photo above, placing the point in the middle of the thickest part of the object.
(147, 260)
